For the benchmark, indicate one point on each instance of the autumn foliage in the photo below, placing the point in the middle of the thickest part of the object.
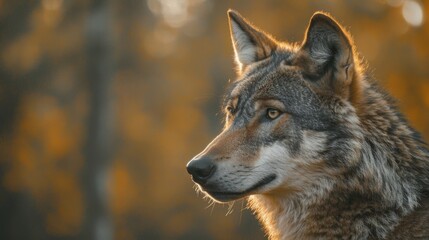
(155, 105)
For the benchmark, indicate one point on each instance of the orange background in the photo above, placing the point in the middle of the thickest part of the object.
(104, 102)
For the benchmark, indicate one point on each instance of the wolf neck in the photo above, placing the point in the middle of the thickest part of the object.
(369, 200)
(341, 215)
(281, 218)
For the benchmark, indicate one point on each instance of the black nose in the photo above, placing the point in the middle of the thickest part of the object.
(201, 169)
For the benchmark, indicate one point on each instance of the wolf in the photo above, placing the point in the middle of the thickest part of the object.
(316, 146)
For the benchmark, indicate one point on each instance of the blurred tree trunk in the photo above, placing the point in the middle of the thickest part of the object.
(97, 223)
(20, 218)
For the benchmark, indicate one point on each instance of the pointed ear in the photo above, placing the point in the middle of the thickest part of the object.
(250, 44)
(329, 56)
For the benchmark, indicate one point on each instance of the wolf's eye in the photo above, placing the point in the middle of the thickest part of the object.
(272, 113)
(230, 109)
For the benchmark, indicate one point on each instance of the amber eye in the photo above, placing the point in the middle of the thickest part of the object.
(272, 113)
(229, 109)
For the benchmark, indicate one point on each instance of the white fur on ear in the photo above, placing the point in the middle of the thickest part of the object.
(250, 44)
(321, 53)
(245, 50)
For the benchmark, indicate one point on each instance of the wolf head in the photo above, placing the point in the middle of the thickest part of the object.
(291, 116)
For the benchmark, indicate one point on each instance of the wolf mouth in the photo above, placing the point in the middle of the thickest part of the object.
(229, 196)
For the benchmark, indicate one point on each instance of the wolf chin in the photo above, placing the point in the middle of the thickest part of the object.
(319, 150)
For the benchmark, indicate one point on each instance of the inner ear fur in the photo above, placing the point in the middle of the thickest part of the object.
(250, 44)
(328, 59)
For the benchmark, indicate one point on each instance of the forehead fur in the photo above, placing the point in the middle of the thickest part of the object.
(273, 78)
(255, 73)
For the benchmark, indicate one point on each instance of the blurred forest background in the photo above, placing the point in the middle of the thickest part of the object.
(104, 102)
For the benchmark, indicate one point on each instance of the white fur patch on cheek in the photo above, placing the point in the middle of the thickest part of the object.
(274, 159)
(273, 153)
